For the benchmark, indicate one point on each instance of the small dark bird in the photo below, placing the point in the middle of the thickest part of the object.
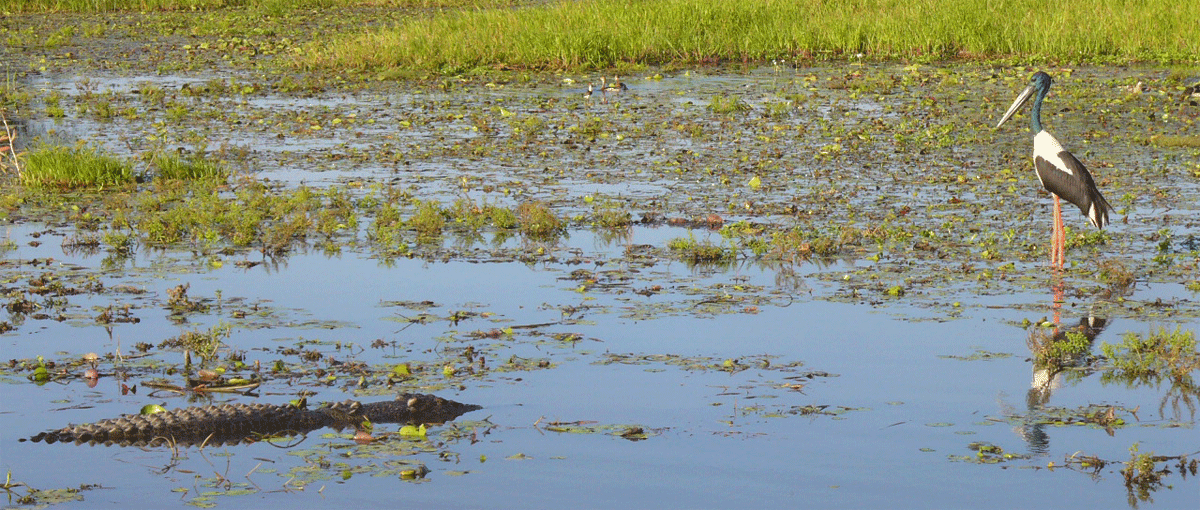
(616, 87)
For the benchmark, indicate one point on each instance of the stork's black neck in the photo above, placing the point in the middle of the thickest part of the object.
(1035, 119)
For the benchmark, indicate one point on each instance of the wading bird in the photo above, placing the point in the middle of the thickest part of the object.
(1060, 172)
(587, 96)
(616, 87)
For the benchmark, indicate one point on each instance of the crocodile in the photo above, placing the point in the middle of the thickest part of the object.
(232, 424)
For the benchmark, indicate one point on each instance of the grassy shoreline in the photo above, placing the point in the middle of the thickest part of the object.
(449, 37)
(596, 34)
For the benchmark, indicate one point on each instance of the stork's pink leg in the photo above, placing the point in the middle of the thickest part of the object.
(1057, 251)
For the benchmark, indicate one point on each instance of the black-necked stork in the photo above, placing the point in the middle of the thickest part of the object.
(1060, 172)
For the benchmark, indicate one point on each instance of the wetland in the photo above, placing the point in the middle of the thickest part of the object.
(791, 281)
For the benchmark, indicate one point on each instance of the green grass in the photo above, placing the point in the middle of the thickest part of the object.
(1175, 141)
(111, 5)
(74, 168)
(724, 104)
(596, 34)
(192, 169)
(270, 6)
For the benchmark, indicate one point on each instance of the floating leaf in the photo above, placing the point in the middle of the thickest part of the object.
(152, 409)
(411, 431)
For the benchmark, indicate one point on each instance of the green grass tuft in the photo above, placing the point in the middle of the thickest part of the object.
(74, 168)
(193, 169)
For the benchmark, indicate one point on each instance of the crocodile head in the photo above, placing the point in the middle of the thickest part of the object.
(345, 414)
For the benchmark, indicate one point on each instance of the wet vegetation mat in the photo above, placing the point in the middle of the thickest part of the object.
(800, 266)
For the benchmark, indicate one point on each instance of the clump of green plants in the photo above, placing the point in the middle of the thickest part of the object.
(74, 168)
(611, 214)
(1054, 350)
(1116, 275)
(698, 252)
(1161, 354)
(54, 107)
(196, 168)
(798, 243)
(747, 236)
(428, 220)
(206, 344)
(387, 231)
(791, 245)
(179, 302)
(779, 109)
(537, 221)
(1142, 475)
(477, 216)
(724, 104)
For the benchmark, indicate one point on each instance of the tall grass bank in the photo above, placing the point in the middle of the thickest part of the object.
(592, 34)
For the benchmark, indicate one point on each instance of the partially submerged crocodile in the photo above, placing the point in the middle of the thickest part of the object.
(237, 423)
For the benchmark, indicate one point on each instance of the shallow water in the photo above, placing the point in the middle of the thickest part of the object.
(719, 439)
(717, 366)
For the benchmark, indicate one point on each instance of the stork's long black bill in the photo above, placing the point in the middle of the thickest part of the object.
(1021, 100)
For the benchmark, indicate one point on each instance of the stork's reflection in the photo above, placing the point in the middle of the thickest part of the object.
(1056, 349)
